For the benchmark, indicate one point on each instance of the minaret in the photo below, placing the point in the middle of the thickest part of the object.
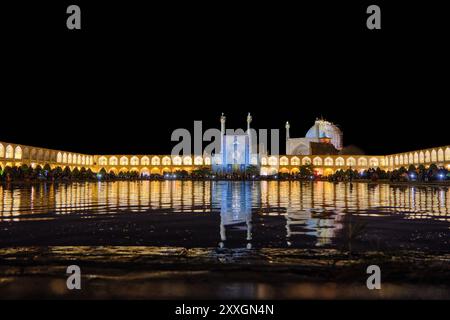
(288, 126)
(222, 138)
(249, 120)
(288, 136)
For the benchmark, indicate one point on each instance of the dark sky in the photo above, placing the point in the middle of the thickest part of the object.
(133, 74)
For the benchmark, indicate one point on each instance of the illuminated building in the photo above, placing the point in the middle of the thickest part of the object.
(236, 152)
(324, 138)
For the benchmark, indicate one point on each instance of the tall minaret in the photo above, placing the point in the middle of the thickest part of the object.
(222, 138)
(288, 126)
(249, 120)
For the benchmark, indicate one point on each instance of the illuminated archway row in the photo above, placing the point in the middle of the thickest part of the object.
(153, 160)
(438, 155)
(14, 154)
(145, 170)
(328, 160)
(267, 171)
(22, 154)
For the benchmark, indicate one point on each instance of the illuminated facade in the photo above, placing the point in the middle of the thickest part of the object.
(236, 153)
(320, 130)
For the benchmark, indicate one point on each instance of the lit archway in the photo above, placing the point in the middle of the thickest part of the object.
(102, 161)
(295, 161)
(440, 155)
(155, 171)
(198, 161)
(123, 170)
(340, 162)
(187, 161)
(18, 153)
(273, 161)
(9, 154)
(427, 156)
(362, 162)
(433, 155)
(166, 161)
(284, 170)
(145, 161)
(351, 162)
(317, 161)
(113, 161)
(155, 161)
(306, 161)
(374, 162)
(134, 161)
(124, 161)
(177, 160)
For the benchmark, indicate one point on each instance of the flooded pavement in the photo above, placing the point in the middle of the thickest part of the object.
(264, 240)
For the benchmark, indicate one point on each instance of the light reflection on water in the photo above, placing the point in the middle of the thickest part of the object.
(308, 208)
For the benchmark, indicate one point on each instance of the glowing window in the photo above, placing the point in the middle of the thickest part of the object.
(155, 161)
(166, 161)
(124, 161)
(18, 153)
(134, 161)
(295, 161)
(145, 161)
(102, 161)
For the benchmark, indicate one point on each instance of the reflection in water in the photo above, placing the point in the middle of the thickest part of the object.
(235, 201)
(306, 208)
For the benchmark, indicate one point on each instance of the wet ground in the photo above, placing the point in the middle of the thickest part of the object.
(264, 240)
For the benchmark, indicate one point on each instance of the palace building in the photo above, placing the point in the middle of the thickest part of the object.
(322, 147)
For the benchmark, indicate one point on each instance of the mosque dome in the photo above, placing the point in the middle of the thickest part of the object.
(323, 128)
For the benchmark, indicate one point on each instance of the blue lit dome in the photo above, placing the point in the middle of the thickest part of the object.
(323, 128)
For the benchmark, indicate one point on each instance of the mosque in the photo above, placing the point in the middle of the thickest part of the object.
(322, 147)
(323, 137)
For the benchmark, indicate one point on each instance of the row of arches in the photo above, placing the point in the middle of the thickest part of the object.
(44, 155)
(146, 170)
(419, 157)
(10, 152)
(69, 158)
(322, 161)
(268, 171)
(153, 160)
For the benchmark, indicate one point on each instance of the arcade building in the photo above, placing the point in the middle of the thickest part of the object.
(322, 147)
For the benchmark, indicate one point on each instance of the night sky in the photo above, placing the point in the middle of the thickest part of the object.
(134, 74)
